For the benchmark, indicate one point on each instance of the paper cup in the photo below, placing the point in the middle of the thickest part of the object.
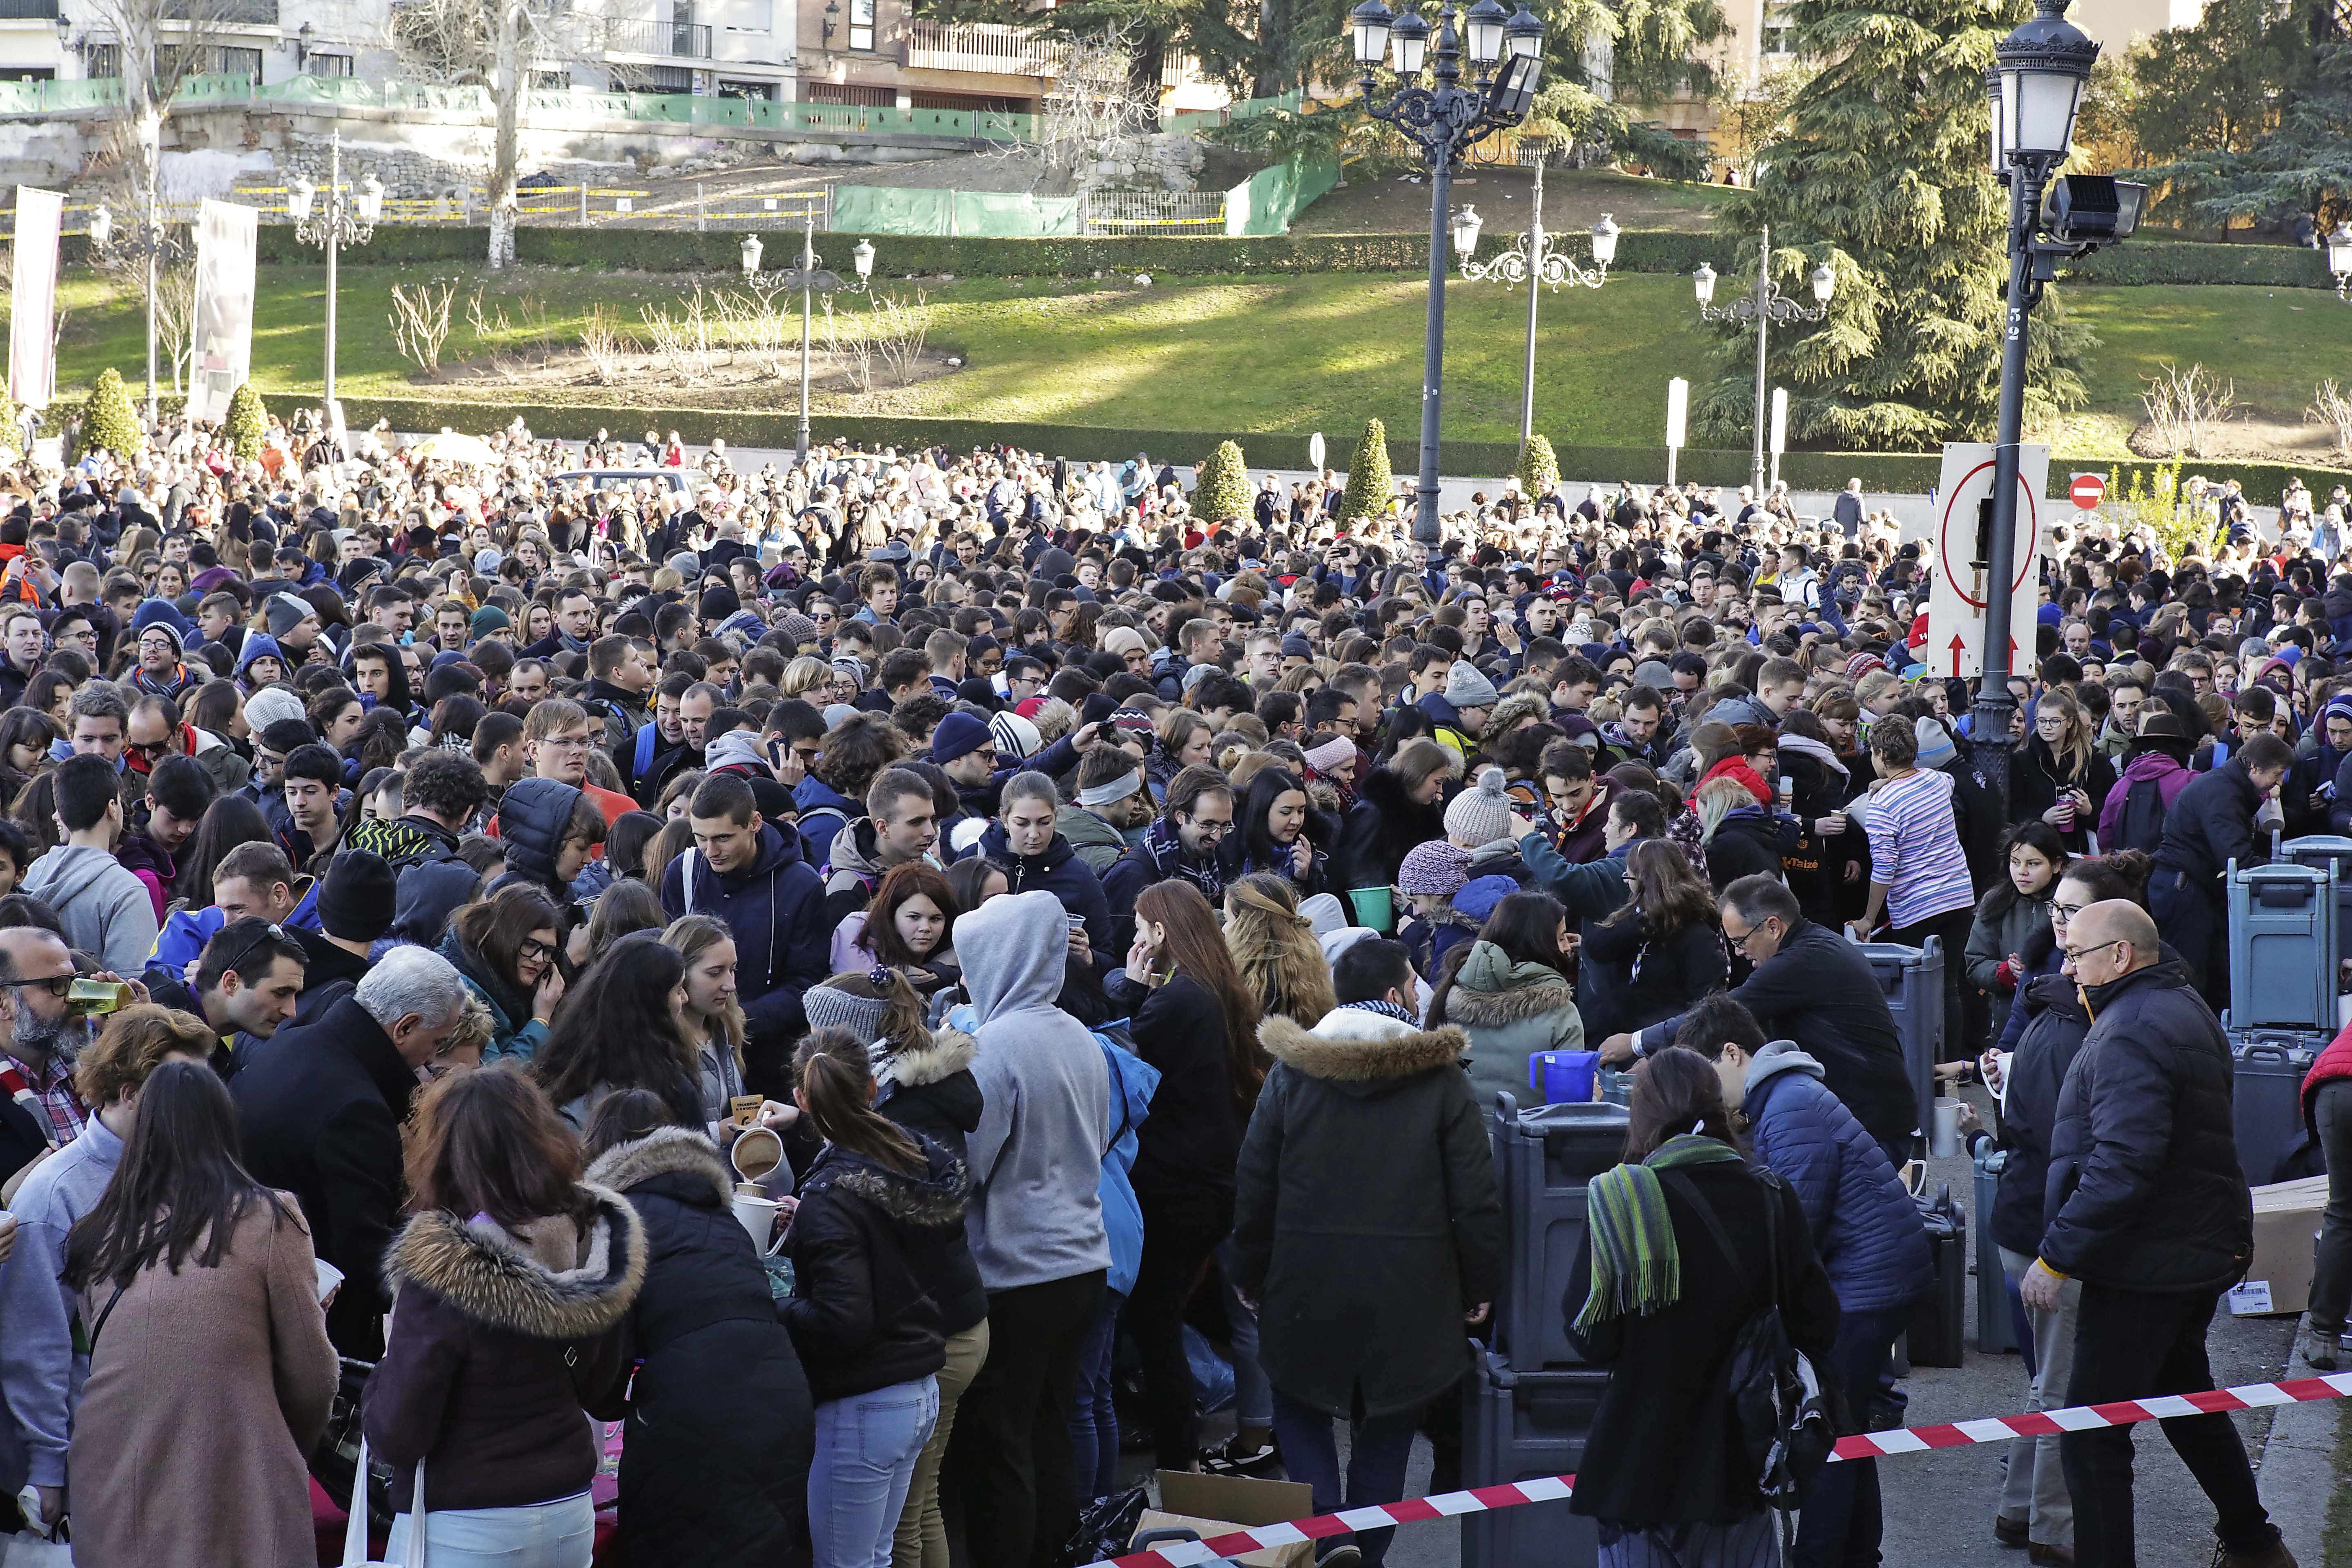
(1946, 1144)
(329, 1276)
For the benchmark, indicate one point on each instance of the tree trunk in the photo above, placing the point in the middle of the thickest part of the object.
(508, 91)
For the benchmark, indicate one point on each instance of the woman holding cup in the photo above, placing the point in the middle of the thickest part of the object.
(2058, 776)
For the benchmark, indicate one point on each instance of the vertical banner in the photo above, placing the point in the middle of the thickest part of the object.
(1677, 422)
(32, 316)
(221, 334)
(1779, 429)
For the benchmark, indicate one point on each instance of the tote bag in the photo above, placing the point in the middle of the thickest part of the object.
(355, 1544)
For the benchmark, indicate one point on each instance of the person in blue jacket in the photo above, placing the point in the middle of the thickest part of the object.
(750, 875)
(1864, 1224)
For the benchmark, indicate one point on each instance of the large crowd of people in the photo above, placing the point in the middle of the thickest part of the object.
(443, 906)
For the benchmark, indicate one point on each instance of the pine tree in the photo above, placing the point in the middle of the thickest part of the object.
(1538, 469)
(1882, 174)
(1223, 493)
(106, 420)
(2304, 164)
(246, 421)
(1372, 487)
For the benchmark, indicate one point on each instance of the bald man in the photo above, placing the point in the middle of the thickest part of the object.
(2146, 1206)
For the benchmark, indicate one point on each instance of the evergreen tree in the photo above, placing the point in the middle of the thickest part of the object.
(1883, 175)
(106, 420)
(1223, 494)
(1538, 469)
(247, 419)
(2303, 166)
(1371, 486)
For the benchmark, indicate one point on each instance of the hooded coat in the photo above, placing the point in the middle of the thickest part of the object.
(1747, 841)
(823, 812)
(1034, 1214)
(1509, 1010)
(533, 816)
(1097, 842)
(1365, 1161)
(930, 1090)
(2145, 1190)
(2170, 775)
(1865, 1225)
(870, 1250)
(497, 1341)
(1378, 830)
(720, 1428)
(774, 908)
(105, 910)
(514, 1032)
(1058, 871)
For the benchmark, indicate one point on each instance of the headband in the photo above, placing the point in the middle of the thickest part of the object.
(1117, 789)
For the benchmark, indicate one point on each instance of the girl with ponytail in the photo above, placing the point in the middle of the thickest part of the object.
(871, 1239)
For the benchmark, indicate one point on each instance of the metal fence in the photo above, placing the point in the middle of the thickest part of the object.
(1153, 212)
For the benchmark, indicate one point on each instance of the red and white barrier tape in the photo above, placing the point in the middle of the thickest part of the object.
(1870, 1444)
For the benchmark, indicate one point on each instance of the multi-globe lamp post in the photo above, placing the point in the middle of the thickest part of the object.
(1532, 258)
(2035, 88)
(334, 217)
(808, 279)
(1764, 305)
(1443, 121)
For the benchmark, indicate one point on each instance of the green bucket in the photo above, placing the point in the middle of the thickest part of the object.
(1373, 907)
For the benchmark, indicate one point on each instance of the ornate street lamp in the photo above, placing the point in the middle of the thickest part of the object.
(808, 279)
(1764, 305)
(1531, 259)
(332, 219)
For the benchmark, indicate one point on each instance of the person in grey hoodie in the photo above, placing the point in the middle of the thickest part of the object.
(1036, 1223)
(106, 911)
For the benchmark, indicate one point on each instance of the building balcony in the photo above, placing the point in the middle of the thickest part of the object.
(219, 12)
(679, 41)
(28, 11)
(988, 47)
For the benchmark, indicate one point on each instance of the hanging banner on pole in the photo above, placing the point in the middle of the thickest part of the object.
(1779, 429)
(1962, 544)
(221, 334)
(32, 314)
(1678, 421)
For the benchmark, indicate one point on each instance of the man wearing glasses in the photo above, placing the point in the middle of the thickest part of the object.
(1813, 987)
(246, 984)
(2151, 1215)
(43, 1039)
(1183, 841)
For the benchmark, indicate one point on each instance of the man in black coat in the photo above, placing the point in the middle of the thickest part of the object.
(321, 1107)
(2209, 824)
(1813, 987)
(2147, 1206)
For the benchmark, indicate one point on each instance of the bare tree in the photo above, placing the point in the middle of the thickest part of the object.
(420, 322)
(1091, 102)
(159, 44)
(495, 45)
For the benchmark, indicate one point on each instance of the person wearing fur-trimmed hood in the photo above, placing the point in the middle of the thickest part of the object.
(1418, 1230)
(509, 1281)
(714, 1470)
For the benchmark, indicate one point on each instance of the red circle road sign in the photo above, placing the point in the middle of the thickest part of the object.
(2088, 491)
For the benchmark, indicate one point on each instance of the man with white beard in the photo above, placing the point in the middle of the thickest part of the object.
(40, 1110)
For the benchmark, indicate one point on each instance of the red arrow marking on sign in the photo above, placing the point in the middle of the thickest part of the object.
(1959, 643)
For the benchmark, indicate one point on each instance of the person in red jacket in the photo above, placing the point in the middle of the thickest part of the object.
(2327, 1111)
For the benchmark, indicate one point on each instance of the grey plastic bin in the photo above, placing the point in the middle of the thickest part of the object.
(1543, 1158)
(1996, 1331)
(2283, 942)
(2328, 849)
(2266, 1099)
(1913, 981)
(1519, 1426)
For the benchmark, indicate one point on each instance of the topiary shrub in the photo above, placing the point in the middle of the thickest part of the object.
(1223, 494)
(1372, 487)
(1538, 470)
(248, 421)
(107, 421)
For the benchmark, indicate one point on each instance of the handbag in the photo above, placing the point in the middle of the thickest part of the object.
(335, 1462)
(355, 1532)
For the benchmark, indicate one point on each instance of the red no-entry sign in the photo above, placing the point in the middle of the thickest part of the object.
(2089, 491)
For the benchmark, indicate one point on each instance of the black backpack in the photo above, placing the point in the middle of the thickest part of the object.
(1786, 1422)
(2142, 826)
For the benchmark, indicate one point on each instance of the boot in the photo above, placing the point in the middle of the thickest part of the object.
(2275, 1555)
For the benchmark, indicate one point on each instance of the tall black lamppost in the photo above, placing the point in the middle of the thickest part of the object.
(1443, 121)
(2036, 87)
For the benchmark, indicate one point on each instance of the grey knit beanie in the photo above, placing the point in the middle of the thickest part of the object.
(830, 1009)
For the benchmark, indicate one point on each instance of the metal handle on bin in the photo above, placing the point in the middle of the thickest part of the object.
(2266, 1050)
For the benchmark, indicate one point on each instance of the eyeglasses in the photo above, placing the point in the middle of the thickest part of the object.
(1209, 828)
(568, 742)
(2076, 954)
(59, 984)
(2061, 913)
(1739, 940)
(533, 950)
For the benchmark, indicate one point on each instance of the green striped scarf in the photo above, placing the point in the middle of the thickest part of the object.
(1636, 1267)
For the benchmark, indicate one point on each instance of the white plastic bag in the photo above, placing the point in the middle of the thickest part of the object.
(355, 1542)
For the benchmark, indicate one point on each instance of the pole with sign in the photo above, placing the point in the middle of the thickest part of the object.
(1963, 590)
(1779, 429)
(1677, 419)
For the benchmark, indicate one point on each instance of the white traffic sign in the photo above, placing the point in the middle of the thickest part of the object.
(1961, 548)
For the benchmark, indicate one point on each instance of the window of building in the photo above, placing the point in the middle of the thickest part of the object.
(861, 24)
(245, 63)
(841, 93)
(750, 16)
(653, 78)
(105, 59)
(765, 92)
(316, 64)
(1779, 32)
(549, 81)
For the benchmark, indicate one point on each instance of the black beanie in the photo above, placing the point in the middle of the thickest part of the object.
(359, 897)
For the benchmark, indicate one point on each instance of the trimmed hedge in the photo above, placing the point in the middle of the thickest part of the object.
(1638, 250)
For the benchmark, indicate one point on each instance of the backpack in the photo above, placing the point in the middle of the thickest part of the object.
(2141, 826)
(1785, 1420)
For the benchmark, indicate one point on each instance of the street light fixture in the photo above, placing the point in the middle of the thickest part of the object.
(332, 217)
(2339, 260)
(808, 279)
(1764, 305)
(1443, 121)
(151, 241)
(1531, 259)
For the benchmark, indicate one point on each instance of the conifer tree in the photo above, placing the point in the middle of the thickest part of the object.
(1371, 486)
(106, 420)
(1883, 175)
(1223, 494)
(247, 420)
(1538, 470)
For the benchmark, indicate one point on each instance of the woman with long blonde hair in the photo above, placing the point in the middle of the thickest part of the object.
(2058, 775)
(1275, 949)
(711, 1013)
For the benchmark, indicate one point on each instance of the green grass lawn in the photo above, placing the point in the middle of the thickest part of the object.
(1317, 352)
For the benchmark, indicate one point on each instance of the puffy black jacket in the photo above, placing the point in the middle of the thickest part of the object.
(2209, 824)
(869, 1249)
(1746, 842)
(2055, 1025)
(1626, 978)
(2144, 1192)
(1378, 830)
(932, 1092)
(1060, 872)
(533, 817)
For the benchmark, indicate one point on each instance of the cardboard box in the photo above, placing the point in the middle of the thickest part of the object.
(1219, 1505)
(2286, 1218)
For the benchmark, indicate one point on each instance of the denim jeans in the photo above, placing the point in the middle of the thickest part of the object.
(560, 1534)
(2130, 1345)
(1378, 1447)
(1839, 1521)
(1094, 1418)
(866, 1451)
(1253, 1395)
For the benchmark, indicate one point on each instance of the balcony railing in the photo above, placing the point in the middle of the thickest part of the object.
(684, 40)
(28, 10)
(988, 46)
(245, 13)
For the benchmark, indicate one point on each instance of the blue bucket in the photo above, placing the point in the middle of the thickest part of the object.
(1564, 1077)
